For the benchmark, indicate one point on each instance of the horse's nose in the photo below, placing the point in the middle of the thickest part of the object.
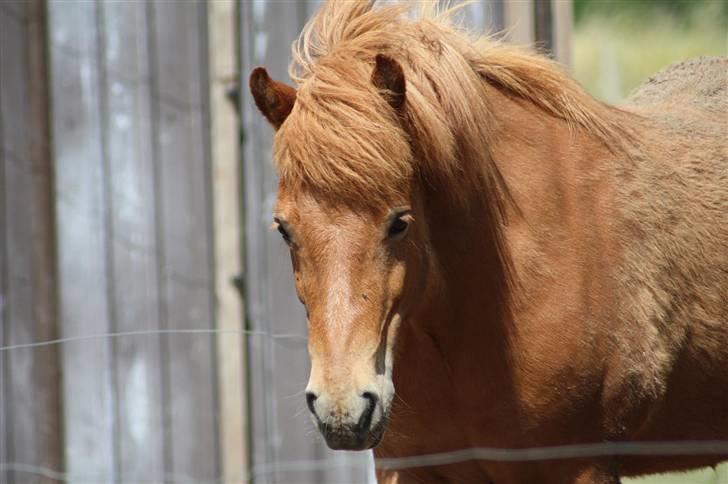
(365, 420)
(310, 401)
(345, 421)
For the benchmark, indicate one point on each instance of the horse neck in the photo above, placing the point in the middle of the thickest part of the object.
(471, 318)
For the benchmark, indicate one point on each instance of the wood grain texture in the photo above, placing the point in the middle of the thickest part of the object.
(81, 213)
(225, 133)
(44, 277)
(23, 438)
(30, 402)
(129, 166)
(5, 415)
(180, 103)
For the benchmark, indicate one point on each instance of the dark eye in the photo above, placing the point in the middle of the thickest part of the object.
(397, 228)
(284, 234)
(282, 230)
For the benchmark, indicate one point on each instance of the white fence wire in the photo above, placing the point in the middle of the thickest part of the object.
(572, 451)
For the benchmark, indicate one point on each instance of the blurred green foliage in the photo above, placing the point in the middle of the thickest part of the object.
(677, 8)
(617, 44)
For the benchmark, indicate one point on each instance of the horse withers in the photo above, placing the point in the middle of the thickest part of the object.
(489, 257)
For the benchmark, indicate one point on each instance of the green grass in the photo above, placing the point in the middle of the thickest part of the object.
(703, 476)
(616, 50)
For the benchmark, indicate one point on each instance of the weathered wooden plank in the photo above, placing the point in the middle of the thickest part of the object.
(259, 451)
(563, 27)
(132, 231)
(82, 240)
(226, 189)
(268, 28)
(518, 21)
(30, 381)
(5, 414)
(22, 434)
(543, 26)
(44, 277)
(180, 102)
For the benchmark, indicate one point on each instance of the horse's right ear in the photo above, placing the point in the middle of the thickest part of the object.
(388, 77)
(274, 99)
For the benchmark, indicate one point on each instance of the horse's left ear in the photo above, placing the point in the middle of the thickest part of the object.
(274, 99)
(388, 77)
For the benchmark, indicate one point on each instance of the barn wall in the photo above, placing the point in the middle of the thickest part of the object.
(134, 213)
(116, 253)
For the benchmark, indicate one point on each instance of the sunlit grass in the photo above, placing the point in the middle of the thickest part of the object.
(703, 476)
(614, 53)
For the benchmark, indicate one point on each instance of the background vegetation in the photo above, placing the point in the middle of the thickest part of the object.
(619, 43)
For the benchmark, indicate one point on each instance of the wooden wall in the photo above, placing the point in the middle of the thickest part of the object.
(133, 249)
(132, 153)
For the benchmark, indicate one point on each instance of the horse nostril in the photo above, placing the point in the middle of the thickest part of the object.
(365, 421)
(373, 399)
(310, 399)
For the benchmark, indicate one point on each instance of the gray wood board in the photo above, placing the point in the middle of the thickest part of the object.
(84, 271)
(134, 241)
(180, 103)
(22, 435)
(127, 132)
(5, 413)
(29, 406)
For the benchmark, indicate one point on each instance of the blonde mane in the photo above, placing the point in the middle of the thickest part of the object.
(343, 137)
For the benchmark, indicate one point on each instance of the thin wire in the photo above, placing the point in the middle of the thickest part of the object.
(68, 477)
(280, 336)
(574, 451)
(587, 450)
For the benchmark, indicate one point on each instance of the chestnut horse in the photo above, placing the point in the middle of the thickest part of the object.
(525, 265)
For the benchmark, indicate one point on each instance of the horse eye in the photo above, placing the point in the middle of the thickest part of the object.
(398, 227)
(284, 233)
(282, 230)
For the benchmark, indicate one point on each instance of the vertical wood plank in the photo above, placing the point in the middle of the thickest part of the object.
(225, 134)
(268, 29)
(543, 26)
(44, 277)
(83, 269)
(31, 431)
(180, 101)
(22, 434)
(131, 198)
(563, 27)
(5, 413)
(518, 20)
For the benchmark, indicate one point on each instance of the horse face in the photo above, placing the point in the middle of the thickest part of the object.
(358, 272)
(358, 267)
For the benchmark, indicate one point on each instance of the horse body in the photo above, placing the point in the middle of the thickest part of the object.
(524, 265)
(618, 329)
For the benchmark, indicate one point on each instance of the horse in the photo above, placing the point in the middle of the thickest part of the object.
(525, 265)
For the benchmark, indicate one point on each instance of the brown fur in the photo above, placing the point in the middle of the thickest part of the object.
(564, 276)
